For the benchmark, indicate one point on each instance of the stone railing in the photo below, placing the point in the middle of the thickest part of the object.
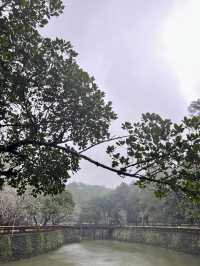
(39, 228)
(25, 229)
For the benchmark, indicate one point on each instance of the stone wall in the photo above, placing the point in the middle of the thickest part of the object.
(180, 239)
(24, 245)
(95, 233)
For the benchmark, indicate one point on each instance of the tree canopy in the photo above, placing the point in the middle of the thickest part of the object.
(46, 100)
(51, 111)
(161, 152)
(194, 108)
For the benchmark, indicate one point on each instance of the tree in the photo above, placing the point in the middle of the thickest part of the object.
(47, 209)
(51, 112)
(48, 105)
(194, 108)
(10, 207)
(132, 205)
(28, 210)
(101, 210)
(84, 192)
(161, 152)
(90, 212)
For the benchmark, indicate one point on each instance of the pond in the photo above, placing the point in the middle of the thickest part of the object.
(110, 253)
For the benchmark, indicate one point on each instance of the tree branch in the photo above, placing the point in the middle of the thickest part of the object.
(9, 172)
(103, 141)
(120, 172)
(81, 156)
(4, 5)
(141, 162)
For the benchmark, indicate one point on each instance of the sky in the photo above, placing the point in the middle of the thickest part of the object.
(143, 53)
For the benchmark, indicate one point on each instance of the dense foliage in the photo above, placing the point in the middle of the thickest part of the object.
(46, 100)
(129, 204)
(161, 152)
(83, 193)
(27, 210)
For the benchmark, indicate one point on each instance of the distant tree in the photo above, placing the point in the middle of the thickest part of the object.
(190, 210)
(100, 211)
(132, 205)
(84, 192)
(45, 210)
(10, 208)
(90, 212)
(26, 209)
(194, 108)
(125, 202)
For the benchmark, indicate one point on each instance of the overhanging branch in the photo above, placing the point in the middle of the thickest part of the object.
(120, 172)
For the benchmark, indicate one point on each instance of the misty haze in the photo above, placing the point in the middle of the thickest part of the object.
(99, 132)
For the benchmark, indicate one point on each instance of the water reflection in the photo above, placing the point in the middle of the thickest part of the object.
(110, 253)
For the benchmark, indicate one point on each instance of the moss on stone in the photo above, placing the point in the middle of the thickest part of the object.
(5, 247)
(29, 248)
(41, 242)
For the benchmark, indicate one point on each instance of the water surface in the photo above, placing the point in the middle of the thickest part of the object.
(110, 253)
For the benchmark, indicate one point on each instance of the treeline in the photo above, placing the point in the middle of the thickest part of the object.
(81, 203)
(128, 204)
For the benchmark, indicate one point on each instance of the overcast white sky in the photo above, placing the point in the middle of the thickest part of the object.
(143, 53)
